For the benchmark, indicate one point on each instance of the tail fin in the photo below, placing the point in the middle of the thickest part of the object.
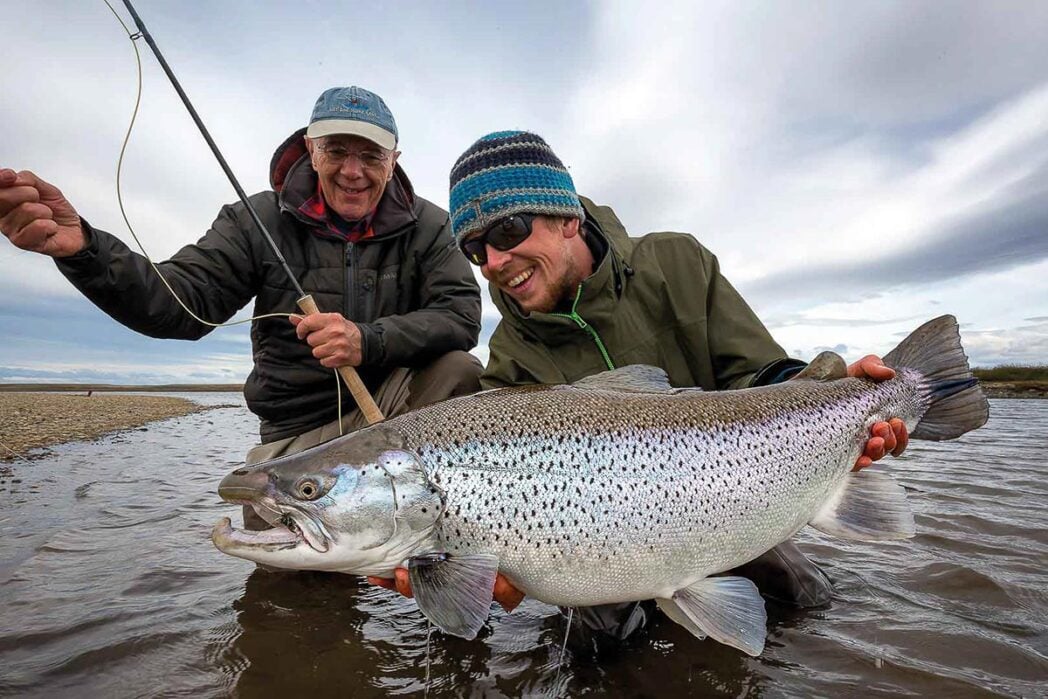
(956, 403)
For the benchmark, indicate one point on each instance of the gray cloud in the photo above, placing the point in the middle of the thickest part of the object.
(1011, 234)
(787, 319)
(1023, 345)
(809, 354)
(758, 127)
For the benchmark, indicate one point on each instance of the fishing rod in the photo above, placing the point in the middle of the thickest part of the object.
(305, 301)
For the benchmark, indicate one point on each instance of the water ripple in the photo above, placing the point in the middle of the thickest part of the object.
(109, 586)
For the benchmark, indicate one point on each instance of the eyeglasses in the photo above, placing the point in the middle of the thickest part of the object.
(505, 234)
(337, 154)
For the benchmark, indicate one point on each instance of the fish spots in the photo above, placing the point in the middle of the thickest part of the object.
(543, 477)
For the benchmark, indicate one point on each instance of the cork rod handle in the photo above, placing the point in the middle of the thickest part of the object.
(360, 392)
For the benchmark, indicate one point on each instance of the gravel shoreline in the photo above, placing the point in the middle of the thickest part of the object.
(32, 420)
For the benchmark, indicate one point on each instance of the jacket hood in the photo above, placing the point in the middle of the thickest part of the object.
(613, 270)
(293, 179)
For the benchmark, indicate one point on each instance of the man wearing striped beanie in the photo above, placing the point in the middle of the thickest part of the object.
(579, 296)
(503, 185)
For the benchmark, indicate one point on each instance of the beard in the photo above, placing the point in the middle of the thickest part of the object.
(560, 293)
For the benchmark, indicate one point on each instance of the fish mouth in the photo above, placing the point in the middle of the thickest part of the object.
(291, 527)
(228, 539)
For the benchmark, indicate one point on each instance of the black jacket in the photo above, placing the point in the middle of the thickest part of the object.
(408, 288)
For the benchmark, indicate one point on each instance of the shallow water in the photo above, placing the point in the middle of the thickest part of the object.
(109, 586)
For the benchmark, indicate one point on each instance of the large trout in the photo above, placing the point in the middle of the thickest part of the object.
(618, 487)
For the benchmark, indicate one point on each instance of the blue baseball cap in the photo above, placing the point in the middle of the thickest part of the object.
(355, 111)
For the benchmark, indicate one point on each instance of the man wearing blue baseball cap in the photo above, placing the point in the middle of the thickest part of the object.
(402, 304)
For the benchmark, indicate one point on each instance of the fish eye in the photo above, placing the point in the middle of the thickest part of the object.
(308, 489)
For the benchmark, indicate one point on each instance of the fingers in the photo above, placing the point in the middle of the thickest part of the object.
(399, 582)
(387, 583)
(862, 462)
(13, 198)
(871, 367)
(35, 236)
(318, 328)
(48, 192)
(902, 435)
(506, 594)
(27, 222)
(313, 324)
(889, 437)
(886, 433)
(25, 178)
(874, 450)
(403, 582)
(23, 215)
(335, 341)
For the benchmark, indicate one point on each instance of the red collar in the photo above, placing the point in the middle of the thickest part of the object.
(332, 225)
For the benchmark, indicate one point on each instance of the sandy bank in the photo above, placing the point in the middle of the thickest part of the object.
(30, 420)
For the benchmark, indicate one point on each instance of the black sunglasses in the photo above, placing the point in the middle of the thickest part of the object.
(505, 234)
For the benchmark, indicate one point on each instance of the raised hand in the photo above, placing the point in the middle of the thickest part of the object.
(35, 215)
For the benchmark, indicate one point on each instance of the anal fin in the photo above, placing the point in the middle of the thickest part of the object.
(454, 591)
(868, 506)
(671, 609)
(728, 609)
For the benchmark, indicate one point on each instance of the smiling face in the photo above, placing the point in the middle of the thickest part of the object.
(353, 173)
(544, 269)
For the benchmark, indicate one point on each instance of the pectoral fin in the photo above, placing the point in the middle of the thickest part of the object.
(868, 506)
(728, 609)
(454, 591)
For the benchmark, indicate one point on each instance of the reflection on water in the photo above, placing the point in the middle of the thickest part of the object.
(109, 586)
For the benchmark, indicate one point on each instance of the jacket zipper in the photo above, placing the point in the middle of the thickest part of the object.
(350, 305)
(581, 322)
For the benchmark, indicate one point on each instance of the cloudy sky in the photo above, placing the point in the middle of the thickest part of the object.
(857, 167)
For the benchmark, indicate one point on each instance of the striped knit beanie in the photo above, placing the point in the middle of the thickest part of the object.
(505, 173)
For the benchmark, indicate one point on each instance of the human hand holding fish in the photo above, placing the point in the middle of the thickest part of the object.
(36, 216)
(889, 437)
(504, 592)
(335, 341)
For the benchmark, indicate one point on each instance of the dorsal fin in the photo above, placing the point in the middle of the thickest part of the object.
(828, 366)
(635, 378)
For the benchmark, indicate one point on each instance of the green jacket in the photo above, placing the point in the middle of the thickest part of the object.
(658, 300)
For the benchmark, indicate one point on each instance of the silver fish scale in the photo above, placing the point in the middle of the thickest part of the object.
(586, 495)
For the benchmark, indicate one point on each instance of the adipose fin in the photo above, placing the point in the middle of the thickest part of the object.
(827, 366)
